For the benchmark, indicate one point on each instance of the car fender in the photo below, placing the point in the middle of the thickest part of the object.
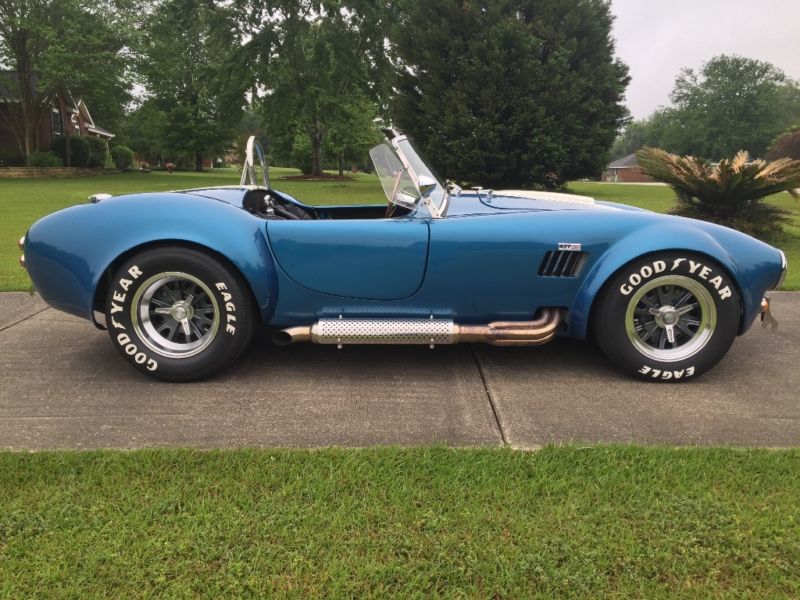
(654, 238)
(68, 252)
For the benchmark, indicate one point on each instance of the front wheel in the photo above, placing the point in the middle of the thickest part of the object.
(178, 314)
(667, 317)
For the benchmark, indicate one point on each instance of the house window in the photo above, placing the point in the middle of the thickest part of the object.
(58, 123)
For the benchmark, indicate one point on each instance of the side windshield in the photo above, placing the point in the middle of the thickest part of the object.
(439, 195)
(397, 183)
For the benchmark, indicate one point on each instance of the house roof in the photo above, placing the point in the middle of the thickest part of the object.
(10, 80)
(100, 131)
(626, 162)
(85, 112)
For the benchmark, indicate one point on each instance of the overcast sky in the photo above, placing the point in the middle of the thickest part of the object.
(657, 38)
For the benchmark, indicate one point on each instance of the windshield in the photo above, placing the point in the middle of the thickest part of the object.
(399, 168)
(396, 181)
(406, 146)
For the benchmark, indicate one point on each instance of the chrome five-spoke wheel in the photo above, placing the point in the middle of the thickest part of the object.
(175, 314)
(671, 318)
(178, 313)
(668, 316)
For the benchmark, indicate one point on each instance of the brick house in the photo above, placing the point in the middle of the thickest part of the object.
(66, 116)
(625, 170)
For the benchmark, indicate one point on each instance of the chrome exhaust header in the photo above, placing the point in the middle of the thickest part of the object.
(422, 331)
(514, 333)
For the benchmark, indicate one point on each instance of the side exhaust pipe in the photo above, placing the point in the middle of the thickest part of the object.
(513, 333)
(423, 331)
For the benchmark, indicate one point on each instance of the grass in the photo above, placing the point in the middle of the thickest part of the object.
(388, 522)
(23, 201)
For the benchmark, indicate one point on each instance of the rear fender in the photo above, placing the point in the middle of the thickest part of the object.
(71, 250)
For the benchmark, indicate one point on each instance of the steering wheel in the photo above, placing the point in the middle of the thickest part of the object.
(254, 150)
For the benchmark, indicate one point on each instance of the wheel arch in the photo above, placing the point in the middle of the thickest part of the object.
(104, 281)
(645, 242)
(606, 283)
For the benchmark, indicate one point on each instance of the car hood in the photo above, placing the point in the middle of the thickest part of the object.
(505, 201)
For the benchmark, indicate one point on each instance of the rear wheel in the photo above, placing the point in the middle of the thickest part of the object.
(179, 314)
(667, 317)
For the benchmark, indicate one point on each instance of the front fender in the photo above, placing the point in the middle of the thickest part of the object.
(68, 252)
(751, 264)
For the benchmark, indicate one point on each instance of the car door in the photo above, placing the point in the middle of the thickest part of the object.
(377, 259)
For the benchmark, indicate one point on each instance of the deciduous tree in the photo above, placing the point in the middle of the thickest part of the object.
(733, 103)
(318, 63)
(187, 61)
(49, 46)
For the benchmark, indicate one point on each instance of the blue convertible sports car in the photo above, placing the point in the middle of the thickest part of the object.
(181, 279)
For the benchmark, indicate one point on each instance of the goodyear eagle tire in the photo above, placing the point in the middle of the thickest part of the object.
(178, 314)
(667, 317)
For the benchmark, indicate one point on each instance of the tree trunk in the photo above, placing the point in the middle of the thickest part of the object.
(316, 132)
(67, 148)
(198, 161)
(341, 164)
(28, 143)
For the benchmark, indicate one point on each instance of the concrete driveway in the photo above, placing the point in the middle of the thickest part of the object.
(62, 385)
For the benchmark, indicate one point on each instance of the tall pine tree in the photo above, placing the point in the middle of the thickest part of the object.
(509, 92)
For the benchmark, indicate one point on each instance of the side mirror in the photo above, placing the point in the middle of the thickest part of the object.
(426, 185)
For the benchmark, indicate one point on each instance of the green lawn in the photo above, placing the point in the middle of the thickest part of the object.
(568, 521)
(22, 201)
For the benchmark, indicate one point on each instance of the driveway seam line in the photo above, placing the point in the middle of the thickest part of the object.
(10, 325)
(489, 395)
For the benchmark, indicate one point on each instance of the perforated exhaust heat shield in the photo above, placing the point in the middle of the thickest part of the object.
(423, 331)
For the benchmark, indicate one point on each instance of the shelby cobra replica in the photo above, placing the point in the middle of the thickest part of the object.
(181, 279)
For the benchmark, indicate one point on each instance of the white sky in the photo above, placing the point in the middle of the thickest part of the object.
(656, 38)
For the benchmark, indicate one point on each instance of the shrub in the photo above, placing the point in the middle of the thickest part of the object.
(45, 159)
(9, 158)
(98, 152)
(786, 145)
(80, 150)
(730, 193)
(122, 157)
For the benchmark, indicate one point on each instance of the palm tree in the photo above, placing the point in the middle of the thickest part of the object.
(730, 193)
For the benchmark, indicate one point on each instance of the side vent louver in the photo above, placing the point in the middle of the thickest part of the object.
(561, 263)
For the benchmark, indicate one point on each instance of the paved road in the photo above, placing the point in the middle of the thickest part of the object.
(62, 385)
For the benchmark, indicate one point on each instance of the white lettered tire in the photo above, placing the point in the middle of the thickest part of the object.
(667, 317)
(178, 314)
